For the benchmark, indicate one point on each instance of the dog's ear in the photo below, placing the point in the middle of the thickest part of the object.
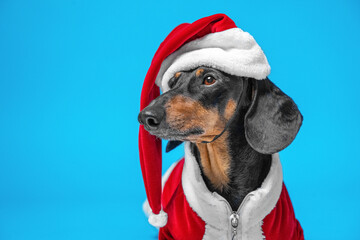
(172, 145)
(273, 119)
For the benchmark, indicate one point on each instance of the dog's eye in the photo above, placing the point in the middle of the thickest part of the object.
(209, 80)
(172, 82)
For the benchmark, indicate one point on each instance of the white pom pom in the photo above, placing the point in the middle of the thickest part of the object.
(158, 220)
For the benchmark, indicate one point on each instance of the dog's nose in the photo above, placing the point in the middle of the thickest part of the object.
(151, 117)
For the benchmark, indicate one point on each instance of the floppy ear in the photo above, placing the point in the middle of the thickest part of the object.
(273, 119)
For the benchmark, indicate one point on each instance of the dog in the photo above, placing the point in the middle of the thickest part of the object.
(217, 98)
(232, 125)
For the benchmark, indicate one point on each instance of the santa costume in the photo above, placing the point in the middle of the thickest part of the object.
(179, 203)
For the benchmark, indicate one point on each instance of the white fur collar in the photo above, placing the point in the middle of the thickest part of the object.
(215, 210)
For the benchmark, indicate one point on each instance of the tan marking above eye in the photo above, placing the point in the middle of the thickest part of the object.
(177, 74)
(199, 72)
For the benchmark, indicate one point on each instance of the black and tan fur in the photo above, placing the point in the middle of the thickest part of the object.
(234, 124)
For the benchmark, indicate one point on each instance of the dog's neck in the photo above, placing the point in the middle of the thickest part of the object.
(230, 166)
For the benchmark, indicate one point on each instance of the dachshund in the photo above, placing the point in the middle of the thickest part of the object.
(233, 125)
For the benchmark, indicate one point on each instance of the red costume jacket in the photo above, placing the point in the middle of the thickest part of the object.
(196, 213)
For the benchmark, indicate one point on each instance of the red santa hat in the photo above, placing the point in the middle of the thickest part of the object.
(213, 41)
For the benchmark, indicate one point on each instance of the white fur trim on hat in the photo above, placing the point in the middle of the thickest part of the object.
(232, 51)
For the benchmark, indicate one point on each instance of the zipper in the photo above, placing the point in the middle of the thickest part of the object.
(234, 217)
(234, 221)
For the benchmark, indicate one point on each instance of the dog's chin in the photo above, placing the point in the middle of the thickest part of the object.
(174, 135)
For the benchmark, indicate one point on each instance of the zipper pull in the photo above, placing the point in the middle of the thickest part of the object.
(234, 220)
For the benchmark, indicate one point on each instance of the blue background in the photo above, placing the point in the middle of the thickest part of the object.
(70, 79)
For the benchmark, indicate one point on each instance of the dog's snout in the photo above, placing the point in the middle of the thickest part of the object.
(151, 117)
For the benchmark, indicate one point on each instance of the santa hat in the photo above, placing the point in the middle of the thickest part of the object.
(213, 41)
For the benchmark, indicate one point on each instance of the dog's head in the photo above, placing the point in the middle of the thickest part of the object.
(201, 103)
